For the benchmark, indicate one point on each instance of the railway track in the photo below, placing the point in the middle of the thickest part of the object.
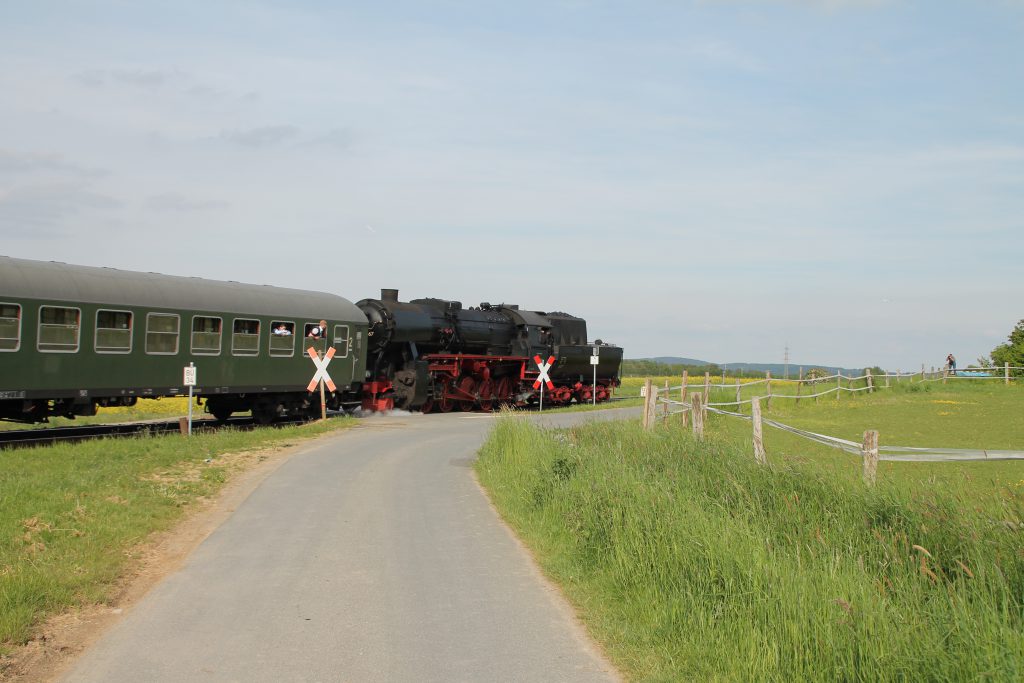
(25, 438)
(47, 436)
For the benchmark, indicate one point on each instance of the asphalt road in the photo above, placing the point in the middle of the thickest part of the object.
(370, 556)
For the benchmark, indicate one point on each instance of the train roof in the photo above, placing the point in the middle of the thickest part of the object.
(53, 281)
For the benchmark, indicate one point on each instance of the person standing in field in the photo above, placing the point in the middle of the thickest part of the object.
(951, 362)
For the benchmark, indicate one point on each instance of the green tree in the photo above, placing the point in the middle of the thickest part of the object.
(1012, 351)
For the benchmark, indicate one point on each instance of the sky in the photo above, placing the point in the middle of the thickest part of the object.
(719, 180)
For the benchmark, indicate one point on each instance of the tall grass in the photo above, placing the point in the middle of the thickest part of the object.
(690, 562)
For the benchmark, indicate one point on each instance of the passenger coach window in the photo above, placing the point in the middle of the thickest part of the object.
(282, 338)
(162, 333)
(59, 329)
(10, 327)
(341, 340)
(206, 333)
(113, 331)
(246, 339)
(307, 340)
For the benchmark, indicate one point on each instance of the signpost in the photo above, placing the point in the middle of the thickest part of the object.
(594, 360)
(189, 380)
(321, 376)
(543, 378)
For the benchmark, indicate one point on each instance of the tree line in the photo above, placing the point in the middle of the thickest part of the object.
(1010, 352)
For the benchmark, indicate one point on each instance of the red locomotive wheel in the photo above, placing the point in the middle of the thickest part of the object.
(484, 392)
(467, 385)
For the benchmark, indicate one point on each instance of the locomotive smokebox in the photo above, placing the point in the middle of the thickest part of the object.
(389, 295)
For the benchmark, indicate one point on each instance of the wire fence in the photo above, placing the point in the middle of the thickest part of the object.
(694, 407)
(872, 382)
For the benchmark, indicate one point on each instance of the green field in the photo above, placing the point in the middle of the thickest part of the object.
(688, 561)
(72, 516)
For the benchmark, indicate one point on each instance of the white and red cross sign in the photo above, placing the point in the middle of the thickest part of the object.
(321, 368)
(543, 378)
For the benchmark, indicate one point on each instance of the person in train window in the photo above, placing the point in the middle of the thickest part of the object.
(319, 331)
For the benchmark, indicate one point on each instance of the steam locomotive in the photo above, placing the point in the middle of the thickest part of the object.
(433, 354)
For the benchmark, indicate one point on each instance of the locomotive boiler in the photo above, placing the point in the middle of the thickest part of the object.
(432, 354)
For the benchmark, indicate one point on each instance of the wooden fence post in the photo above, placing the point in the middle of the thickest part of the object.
(707, 386)
(945, 374)
(738, 397)
(869, 455)
(799, 385)
(922, 372)
(898, 372)
(682, 396)
(646, 418)
(664, 410)
(755, 413)
(698, 416)
(871, 381)
(1006, 373)
(652, 419)
(768, 402)
(839, 384)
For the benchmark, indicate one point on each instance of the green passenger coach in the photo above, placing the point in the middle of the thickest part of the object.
(73, 338)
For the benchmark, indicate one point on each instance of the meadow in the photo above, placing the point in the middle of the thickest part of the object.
(688, 561)
(73, 517)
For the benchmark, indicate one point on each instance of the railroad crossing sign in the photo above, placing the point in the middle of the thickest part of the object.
(543, 377)
(321, 368)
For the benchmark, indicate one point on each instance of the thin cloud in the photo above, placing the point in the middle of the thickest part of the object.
(265, 136)
(17, 164)
(140, 78)
(726, 54)
(49, 206)
(172, 202)
(337, 138)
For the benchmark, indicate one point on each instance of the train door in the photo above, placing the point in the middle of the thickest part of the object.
(341, 342)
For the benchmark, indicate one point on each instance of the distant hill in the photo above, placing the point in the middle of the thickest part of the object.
(673, 360)
(777, 369)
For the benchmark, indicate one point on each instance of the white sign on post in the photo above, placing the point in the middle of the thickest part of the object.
(190, 381)
(595, 360)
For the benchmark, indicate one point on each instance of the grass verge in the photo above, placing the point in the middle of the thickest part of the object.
(690, 562)
(72, 515)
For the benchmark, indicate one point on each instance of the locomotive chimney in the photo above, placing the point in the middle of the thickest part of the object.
(390, 295)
